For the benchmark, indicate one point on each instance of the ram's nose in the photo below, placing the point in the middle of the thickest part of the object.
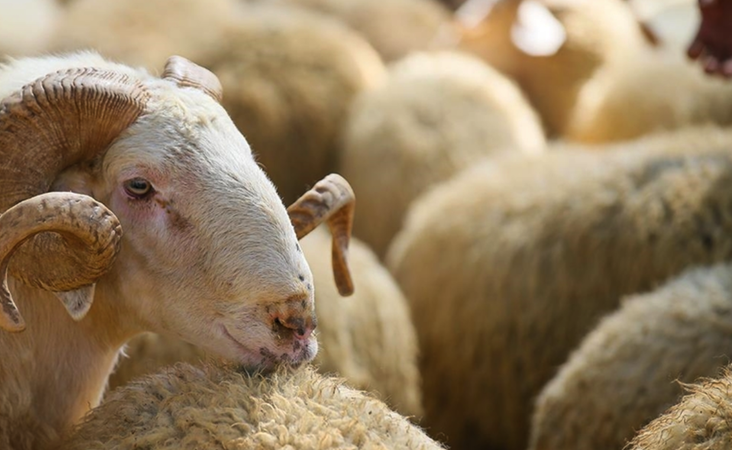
(300, 325)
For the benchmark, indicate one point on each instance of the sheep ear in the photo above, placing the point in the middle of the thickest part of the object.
(78, 301)
(536, 31)
(187, 74)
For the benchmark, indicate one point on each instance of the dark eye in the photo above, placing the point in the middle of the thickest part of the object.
(138, 188)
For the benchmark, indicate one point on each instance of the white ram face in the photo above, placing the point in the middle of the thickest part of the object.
(208, 252)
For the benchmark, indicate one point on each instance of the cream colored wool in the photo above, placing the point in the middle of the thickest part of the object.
(145, 32)
(26, 26)
(508, 265)
(624, 374)
(648, 95)
(186, 407)
(367, 338)
(702, 420)
(394, 27)
(597, 32)
(289, 77)
(438, 113)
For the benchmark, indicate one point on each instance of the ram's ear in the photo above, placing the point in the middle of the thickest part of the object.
(74, 179)
(536, 31)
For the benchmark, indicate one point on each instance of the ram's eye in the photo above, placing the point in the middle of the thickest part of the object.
(138, 188)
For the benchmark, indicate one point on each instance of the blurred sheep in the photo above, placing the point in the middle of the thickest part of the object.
(551, 47)
(145, 32)
(626, 371)
(394, 27)
(648, 95)
(436, 114)
(26, 27)
(509, 264)
(289, 77)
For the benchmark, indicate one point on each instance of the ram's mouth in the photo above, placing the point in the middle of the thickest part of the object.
(265, 357)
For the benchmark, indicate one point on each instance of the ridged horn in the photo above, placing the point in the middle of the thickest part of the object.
(63, 119)
(188, 74)
(82, 221)
(331, 200)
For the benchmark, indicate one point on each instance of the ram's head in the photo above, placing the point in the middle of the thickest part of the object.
(208, 252)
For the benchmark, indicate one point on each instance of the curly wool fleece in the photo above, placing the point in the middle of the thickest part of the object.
(186, 407)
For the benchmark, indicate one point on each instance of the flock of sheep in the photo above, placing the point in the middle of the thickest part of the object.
(542, 238)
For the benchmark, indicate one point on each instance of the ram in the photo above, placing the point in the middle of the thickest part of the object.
(527, 254)
(217, 407)
(628, 370)
(91, 149)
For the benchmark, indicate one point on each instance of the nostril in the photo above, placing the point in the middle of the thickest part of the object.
(299, 327)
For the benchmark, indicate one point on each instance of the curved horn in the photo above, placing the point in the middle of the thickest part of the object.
(188, 74)
(60, 120)
(79, 218)
(331, 200)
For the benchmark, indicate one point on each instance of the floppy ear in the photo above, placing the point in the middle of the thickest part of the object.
(536, 31)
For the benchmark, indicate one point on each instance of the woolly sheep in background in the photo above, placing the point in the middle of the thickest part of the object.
(436, 114)
(627, 370)
(509, 264)
(550, 47)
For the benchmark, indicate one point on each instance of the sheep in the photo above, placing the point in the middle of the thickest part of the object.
(27, 26)
(145, 32)
(90, 148)
(302, 72)
(630, 99)
(395, 28)
(624, 373)
(551, 47)
(437, 113)
(213, 407)
(700, 421)
(525, 254)
(369, 340)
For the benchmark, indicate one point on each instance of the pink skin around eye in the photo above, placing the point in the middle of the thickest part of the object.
(712, 45)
